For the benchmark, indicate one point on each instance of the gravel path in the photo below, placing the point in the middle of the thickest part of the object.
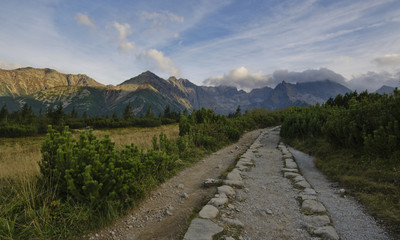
(346, 214)
(269, 209)
(165, 213)
(264, 197)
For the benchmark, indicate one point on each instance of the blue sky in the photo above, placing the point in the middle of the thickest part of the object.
(246, 44)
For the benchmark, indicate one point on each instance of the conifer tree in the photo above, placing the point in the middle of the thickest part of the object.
(4, 114)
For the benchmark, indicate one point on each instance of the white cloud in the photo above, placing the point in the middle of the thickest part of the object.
(162, 62)
(160, 27)
(9, 66)
(388, 60)
(124, 30)
(309, 38)
(84, 19)
(240, 78)
(160, 19)
(155, 57)
(310, 75)
(372, 81)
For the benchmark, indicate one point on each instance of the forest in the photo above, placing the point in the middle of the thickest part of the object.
(24, 122)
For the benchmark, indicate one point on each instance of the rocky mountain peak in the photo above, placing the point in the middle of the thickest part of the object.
(42, 88)
(385, 89)
(144, 78)
(28, 80)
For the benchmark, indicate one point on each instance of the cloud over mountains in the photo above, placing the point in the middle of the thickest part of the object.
(242, 78)
(372, 81)
(388, 60)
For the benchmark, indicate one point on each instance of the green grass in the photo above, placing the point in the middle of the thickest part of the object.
(372, 181)
(30, 211)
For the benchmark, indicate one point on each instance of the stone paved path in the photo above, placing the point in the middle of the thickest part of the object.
(271, 199)
(267, 203)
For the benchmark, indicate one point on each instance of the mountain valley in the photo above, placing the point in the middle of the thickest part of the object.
(43, 88)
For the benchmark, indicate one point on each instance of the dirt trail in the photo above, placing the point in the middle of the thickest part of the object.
(164, 215)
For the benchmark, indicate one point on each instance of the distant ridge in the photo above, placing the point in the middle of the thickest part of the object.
(42, 88)
(25, 81)
(385, 89)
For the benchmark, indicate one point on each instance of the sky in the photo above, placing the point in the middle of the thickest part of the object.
(247, 44)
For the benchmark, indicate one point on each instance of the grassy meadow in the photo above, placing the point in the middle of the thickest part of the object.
(19, 156)
(27, 205)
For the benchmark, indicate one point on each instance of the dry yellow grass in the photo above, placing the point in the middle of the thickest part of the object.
(140, 137)
(19, 156)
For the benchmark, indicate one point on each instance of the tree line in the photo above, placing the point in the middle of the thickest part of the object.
(366, 122)
(25, 122)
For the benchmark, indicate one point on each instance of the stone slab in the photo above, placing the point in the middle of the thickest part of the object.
(202, 229)
(235, 184)
(311, 207)
(327, 232)
(302, 184)
(317, 221)
(227, 190)
(208, 212)
(289, 163)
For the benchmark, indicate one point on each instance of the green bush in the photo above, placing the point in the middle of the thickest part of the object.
(18, 130)
(356, 140)
(369, 122)
(90, 171)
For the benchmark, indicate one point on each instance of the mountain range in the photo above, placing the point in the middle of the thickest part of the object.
(43, 88)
